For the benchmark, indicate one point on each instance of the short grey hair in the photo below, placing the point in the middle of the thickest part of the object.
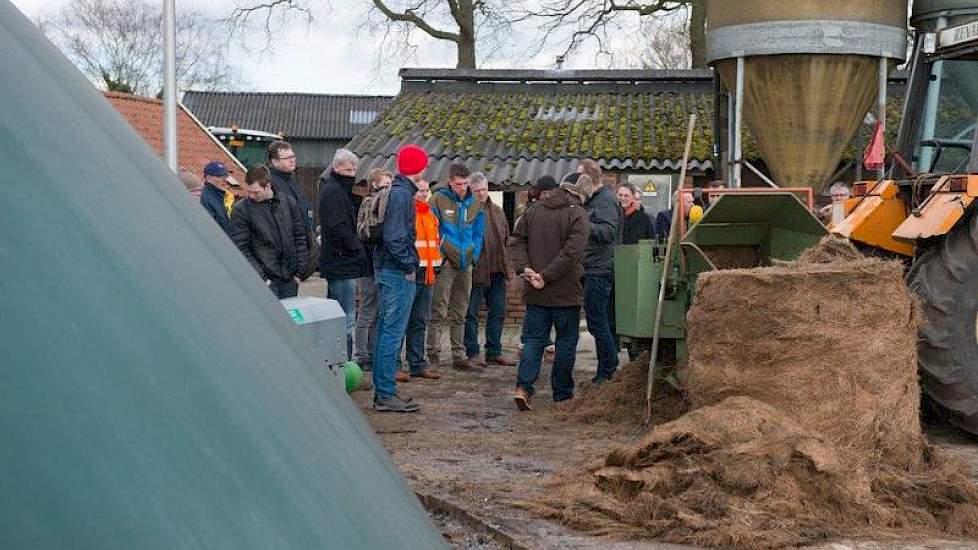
(345, 155)
(478, 178)
(840, 186)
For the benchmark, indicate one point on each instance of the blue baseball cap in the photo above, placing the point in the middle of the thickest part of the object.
(215, 168)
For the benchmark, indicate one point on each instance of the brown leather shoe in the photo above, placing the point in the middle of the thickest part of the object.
(426, 374)
(465, 365)
(401, 376)
(501, 361)
(477, 361)
(522, 398)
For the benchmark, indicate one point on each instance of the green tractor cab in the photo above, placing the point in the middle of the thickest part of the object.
(742, 230)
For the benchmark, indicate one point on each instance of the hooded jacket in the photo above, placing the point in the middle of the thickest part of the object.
(461, 223)
(605, 215)
(272, 236)
(550, 238)
(342, 255)
(397, 248)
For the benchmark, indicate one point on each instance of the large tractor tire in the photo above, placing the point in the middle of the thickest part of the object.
(945, 278)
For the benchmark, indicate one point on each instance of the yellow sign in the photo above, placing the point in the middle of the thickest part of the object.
(236, 143)
(649, 187)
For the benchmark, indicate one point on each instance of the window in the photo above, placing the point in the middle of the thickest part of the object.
(362, 117)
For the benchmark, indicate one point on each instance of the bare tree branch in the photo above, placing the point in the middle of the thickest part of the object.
(409, 16)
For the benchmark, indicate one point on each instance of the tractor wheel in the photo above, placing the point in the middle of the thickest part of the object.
(944, 277)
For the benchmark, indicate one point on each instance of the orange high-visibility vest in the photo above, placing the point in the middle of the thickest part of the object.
(428, 242)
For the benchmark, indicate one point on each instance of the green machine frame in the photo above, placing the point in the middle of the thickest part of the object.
(738, 231)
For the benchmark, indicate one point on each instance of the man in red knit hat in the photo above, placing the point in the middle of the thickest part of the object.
(395, 267)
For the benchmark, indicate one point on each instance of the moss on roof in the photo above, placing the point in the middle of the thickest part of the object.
(642, 126)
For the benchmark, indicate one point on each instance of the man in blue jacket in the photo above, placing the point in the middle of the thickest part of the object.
(213, 196)
(395, 268)
(461, 225)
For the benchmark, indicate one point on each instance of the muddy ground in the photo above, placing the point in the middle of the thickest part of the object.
(473, 458)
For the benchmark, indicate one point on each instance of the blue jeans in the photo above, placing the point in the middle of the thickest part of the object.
(414, 338)
(395, 293)
(344, 291)
(597, 309)
(538, 321)
(495, 296)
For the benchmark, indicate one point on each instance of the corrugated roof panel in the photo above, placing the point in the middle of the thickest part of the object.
(305, 116)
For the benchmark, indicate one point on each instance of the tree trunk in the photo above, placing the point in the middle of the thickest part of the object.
(697, 33)
(465, 18)
(466, 52)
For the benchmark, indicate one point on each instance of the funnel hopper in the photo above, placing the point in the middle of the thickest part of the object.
(811, 73)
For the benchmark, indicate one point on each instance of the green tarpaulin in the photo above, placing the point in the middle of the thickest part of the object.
(154, 395)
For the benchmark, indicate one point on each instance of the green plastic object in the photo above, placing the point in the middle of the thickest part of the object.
(154, 394)
(353, 375)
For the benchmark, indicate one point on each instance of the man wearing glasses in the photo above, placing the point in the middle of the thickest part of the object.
(281, 160)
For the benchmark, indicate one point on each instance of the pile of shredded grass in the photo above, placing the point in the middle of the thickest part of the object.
(805, 423)
(621, 401)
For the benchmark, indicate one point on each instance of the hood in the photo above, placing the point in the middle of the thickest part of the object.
(562, 198)
(447, 191)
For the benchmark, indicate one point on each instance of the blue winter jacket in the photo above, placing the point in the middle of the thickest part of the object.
(462, 225)
(397, 248)
(212, 199)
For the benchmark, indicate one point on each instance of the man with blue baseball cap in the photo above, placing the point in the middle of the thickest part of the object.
(216, 193)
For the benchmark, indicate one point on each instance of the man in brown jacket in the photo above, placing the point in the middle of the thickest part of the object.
(547, 248)
(488, 282)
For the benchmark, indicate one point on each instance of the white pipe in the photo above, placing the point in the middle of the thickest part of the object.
(169, 85)
(738, 124)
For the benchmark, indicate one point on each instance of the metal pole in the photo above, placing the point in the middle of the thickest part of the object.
(881, 117)
(738, 124)
(169, 84)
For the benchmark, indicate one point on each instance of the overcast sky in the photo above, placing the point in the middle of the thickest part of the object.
(328, 55)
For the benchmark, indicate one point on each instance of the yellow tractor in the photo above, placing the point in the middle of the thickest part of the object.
(924, 208)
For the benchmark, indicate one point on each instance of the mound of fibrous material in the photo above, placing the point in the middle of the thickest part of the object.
(805, 423)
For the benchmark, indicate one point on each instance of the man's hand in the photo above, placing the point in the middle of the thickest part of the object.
(297, 280)
(537, 282)
(527, 273)
(412, 276)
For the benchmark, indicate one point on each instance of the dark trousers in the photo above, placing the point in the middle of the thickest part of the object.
(284, 289)
(599, 312)
(538, 321)
(495, 297)
(414, 337)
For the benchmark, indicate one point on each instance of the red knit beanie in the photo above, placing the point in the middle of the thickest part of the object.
(411, 160)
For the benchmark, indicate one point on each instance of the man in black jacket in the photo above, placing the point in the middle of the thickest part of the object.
(282, 161)
(269, 229)
(637, 224)
(599, 269)
(342, 258)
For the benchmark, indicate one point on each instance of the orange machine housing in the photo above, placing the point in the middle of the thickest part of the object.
(877, 216)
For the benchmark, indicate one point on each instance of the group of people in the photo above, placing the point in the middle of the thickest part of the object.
(437, 256)
(409, 264)
(267, 218)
